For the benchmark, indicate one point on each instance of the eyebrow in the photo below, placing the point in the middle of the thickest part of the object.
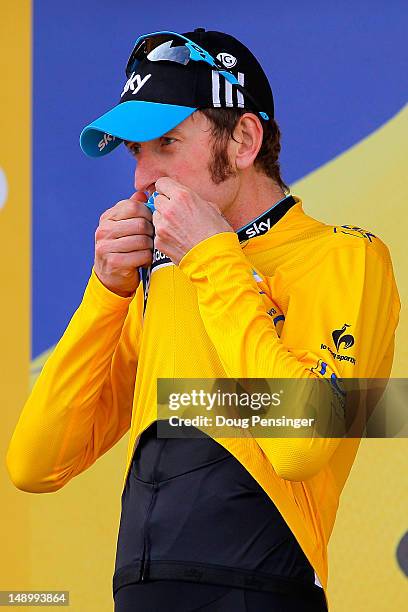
(175, 130)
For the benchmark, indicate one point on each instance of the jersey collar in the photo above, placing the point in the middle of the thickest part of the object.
(263, 223)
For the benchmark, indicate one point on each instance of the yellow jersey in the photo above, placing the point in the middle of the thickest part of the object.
(302, 299)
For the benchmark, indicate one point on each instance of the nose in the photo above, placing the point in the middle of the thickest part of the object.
(147, 170)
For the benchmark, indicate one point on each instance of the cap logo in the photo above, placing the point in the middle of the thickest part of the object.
(227, 60)
(223, 93)
(107, 138)
(135, 82)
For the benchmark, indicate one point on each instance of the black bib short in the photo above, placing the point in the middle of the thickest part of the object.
(197, 532)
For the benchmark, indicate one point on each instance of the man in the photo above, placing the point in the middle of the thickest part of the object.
(228, 278)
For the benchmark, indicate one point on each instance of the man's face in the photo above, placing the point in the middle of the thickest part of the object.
(183, 154)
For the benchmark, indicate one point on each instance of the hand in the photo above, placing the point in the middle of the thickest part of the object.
(182, 219)
(123, 242)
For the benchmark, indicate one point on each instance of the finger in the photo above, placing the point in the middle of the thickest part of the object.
(167, 186)
(128, 244)
(125, 227)
(157, 219)
(160, 202)
(127, 209)
(131, 260)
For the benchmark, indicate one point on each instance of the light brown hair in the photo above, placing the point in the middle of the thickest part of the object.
(223, 122)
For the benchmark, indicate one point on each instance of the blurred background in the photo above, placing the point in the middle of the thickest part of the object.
(339, 76)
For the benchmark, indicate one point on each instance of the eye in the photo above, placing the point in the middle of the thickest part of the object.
(133, 148)
(165, 140)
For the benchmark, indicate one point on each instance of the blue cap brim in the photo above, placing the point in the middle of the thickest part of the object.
(135, 121)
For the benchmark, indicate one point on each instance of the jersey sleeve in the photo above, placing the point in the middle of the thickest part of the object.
(81, 403)
(348, 299)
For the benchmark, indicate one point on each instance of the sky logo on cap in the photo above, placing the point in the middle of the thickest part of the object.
(107, 138)
(130, 83)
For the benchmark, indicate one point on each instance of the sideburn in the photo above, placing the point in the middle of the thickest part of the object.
(219, 166)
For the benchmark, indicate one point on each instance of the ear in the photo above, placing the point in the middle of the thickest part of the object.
(248, 134)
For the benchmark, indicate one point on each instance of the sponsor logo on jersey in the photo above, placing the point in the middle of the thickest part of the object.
(159, 259)
(342, 341)
(356, 232)
(339, 337)
(337, 355)
(107, 138)
(258, 228)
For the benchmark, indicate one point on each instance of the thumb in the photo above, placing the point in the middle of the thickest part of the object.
(139, 196)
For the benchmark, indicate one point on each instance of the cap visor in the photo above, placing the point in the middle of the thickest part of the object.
(134, 121)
